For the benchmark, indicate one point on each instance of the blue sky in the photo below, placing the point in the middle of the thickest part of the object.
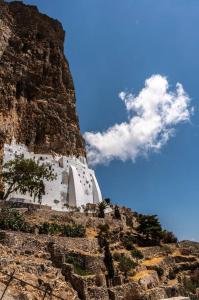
(114, 46)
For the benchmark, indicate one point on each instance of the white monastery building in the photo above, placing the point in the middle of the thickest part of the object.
(75, 185)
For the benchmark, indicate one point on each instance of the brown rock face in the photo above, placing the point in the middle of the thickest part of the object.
(37, 97)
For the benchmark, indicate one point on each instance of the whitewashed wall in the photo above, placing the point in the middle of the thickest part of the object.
(75, 184)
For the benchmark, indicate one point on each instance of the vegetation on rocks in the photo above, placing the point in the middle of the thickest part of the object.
(137, 254)
(117, 214)
(101, 208)
(159, 270)
(74, 230)
(108, 260)
(168, 237)
(150, 228)
(78, 266)
(49, 228)
(64, 230)
(126, 265)
(129, 241)
(11, 219)
(104, 228)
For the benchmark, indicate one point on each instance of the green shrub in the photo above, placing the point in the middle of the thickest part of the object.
(128, 244)
(159, 270)
(135, 253)
(126, 264)
(44, 228)
(171, 275)
(28, 228)
(104, 228)
(101, 208)
(80, 271)
(74, 230)
(129, 240)
(66, 230)
(55, 228)
(168, 237)
(50, 228)
(79, 267)
(117, 214)
(11, 219)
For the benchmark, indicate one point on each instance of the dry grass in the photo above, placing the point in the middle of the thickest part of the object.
(153, 261)
(172, 282)
(176, 253)
(141, 274)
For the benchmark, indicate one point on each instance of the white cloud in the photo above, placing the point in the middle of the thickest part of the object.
(152, 117)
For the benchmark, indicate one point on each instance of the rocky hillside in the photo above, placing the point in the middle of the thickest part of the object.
(37, 97)
(83, 256)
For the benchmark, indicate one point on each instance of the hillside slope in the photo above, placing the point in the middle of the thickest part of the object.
(72, 263)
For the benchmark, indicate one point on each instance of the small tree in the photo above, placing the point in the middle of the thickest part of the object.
(102, 206)
(117, 214)
(26, 176)
(107, 200)
(108, 260)
(169, 237)
(149, 226)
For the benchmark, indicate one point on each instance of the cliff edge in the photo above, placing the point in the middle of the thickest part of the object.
(37, 96)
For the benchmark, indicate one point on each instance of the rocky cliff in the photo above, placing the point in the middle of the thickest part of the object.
(37, 96)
